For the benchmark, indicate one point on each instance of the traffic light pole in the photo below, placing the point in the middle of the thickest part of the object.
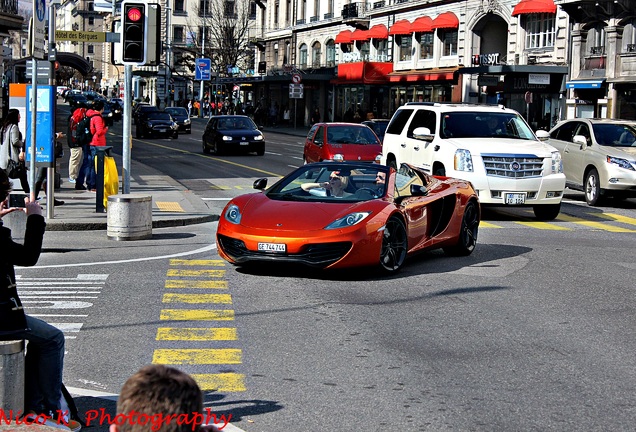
(127, 133)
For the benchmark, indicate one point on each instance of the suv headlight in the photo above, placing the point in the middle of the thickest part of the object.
(463, 160)
(621, 163)
(557, 163)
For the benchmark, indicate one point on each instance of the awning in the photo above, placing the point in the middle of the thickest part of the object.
(378, 31)
(363, 73)
(534, 7)
(402, 27)
(422, 25)
(359, 35)
(585, 84)
(424, 75)
(344, 37)
(446, 20)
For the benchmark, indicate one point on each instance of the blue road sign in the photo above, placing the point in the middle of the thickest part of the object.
(202, 71)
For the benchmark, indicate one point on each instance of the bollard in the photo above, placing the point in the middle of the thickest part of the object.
(129, 217)
(101, 151)
(12, 375)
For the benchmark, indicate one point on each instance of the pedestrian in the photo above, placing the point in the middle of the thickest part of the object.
(315, 117)
(45, 349)
(190, 108)
(11, 136)
(162, 390)
(286, 116)
(99, 130)
(75, 161)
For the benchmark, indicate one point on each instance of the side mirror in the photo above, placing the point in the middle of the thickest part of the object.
(580, 139)
(543, 135)
(260, 184)
(417, 190)
(423, 133)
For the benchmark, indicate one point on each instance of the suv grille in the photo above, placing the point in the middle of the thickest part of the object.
(513, 166)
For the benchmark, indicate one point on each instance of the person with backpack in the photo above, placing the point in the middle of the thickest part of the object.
(98, 130)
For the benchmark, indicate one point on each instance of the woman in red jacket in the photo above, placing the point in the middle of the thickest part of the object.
(99, 130)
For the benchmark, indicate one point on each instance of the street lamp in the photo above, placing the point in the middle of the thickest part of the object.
(202, 56)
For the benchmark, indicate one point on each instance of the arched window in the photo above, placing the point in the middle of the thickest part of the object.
(302, 57)
(331, 53)
(315, 55)
(596, 40)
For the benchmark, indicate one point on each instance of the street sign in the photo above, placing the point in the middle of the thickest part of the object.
(37, 29)
(202, 69)
(296, 78)
(80, 36)
(296, 91)
(43, 71)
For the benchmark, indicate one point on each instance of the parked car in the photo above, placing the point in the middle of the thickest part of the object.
(378, 126)
(141, 108)
(370, 225)
(491, 146)
(156, 123)
(181, 117)
(232, 133)
(341, 141)
(599, 156)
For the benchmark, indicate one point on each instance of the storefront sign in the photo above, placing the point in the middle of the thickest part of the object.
(487, 80)
(486, 59)
(519, 83)
(351, 57)
(543, 79)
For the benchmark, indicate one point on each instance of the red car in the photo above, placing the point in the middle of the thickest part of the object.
(345, 214)
(342, 142)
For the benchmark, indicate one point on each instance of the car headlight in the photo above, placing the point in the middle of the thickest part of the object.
(463, 160)
(186, 121)
(227, 138)
(557, 163)
(621, 163)
(349, 220)
(233, 214)
(149, 125)
(110, 114)
(258, 138)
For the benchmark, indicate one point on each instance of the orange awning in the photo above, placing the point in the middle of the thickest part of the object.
(424, 75)
(422, 25)
(359, 35)
(363, 73)
(378, 31)
(534, 6)
(402, 27)
(446, 20)
(344, 37)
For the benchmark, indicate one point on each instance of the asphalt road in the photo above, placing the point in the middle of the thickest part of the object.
(533, 331)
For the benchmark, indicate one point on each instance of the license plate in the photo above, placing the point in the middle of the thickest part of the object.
(244, 143)
(272, 247)
(515, 198)
(162, 130)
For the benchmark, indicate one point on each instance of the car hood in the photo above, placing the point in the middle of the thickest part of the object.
(489, 146)
(261, 212)
(354, 152)
(629, 152)
(159, 122)
(240, 132)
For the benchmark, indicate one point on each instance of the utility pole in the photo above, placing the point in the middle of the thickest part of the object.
(202, 56)
(168, 52)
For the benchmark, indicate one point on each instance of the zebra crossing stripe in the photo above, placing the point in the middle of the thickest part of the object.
(183, 262)
(207, 273)
(196, 284)
(222, 382)
(591, 224)
(544, 226)
(616, 217)
(197, 298)
(196, 315)
(196, 334)
(483, 224)
(190, 356)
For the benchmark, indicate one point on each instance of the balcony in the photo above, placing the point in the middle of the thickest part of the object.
(328, 15)
(300, 21)
(314, 19)
(379, 4)
(597, 51)
(9, 18)
(355, 14)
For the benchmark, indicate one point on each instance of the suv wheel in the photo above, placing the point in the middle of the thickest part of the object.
(547, 211)
(440, 171)
(392, 163)
(592, 188)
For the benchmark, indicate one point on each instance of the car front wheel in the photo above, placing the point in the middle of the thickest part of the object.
(592, 188)
(467, 239)
(394, 245)
(206, 149)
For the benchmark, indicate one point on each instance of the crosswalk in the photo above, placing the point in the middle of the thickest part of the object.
(198, 335)
(610, 222)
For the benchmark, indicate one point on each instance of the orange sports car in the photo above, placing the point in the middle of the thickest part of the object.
(345, 214)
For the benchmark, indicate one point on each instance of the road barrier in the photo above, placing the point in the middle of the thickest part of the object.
(129, 217)
(12, 375)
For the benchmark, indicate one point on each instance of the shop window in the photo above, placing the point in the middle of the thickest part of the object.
(540, 30)
(331, 54)
(426, 45)
(449, 42)
(406, 45)
(303, 56)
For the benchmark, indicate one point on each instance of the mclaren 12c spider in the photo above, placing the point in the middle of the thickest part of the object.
(349, 214)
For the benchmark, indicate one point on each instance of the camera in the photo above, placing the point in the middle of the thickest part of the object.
(17, 200)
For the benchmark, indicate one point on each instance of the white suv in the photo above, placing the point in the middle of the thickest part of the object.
(490, 146)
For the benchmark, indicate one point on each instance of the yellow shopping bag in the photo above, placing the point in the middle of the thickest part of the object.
(111, 178)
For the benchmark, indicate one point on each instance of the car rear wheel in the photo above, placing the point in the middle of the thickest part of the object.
(260, 151)
(468, 232)
(547, 212)
(592, 188)
(394, 245)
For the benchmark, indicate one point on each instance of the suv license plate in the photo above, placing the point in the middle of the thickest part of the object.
(272, 247)
(515, 198)
(244, 143)
(162, 130)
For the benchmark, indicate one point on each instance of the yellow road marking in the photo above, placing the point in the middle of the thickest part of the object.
(544, 226)
(169, 206)
(196, 334)
(591, 224)
(197, 356)
(196, 315)
(209, 273)
(220, 187)
(616, 217)
(223, 382)
(197, 298)
(215, 263)
(483, 224)
(196, 284)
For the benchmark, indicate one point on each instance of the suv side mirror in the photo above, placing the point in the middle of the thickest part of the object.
(580, 139)
(543, 135)
(423, 133)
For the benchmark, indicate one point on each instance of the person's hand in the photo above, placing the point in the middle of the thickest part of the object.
(5, 209)
(32, 207)
(21, 156)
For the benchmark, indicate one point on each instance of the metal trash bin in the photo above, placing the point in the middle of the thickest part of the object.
(129, 217)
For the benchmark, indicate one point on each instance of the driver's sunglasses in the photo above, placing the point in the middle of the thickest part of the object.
(380, 176)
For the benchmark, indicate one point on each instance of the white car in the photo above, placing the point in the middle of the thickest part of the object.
(599, 156)
(491, 146)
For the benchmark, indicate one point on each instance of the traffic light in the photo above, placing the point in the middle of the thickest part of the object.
(133, 29)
